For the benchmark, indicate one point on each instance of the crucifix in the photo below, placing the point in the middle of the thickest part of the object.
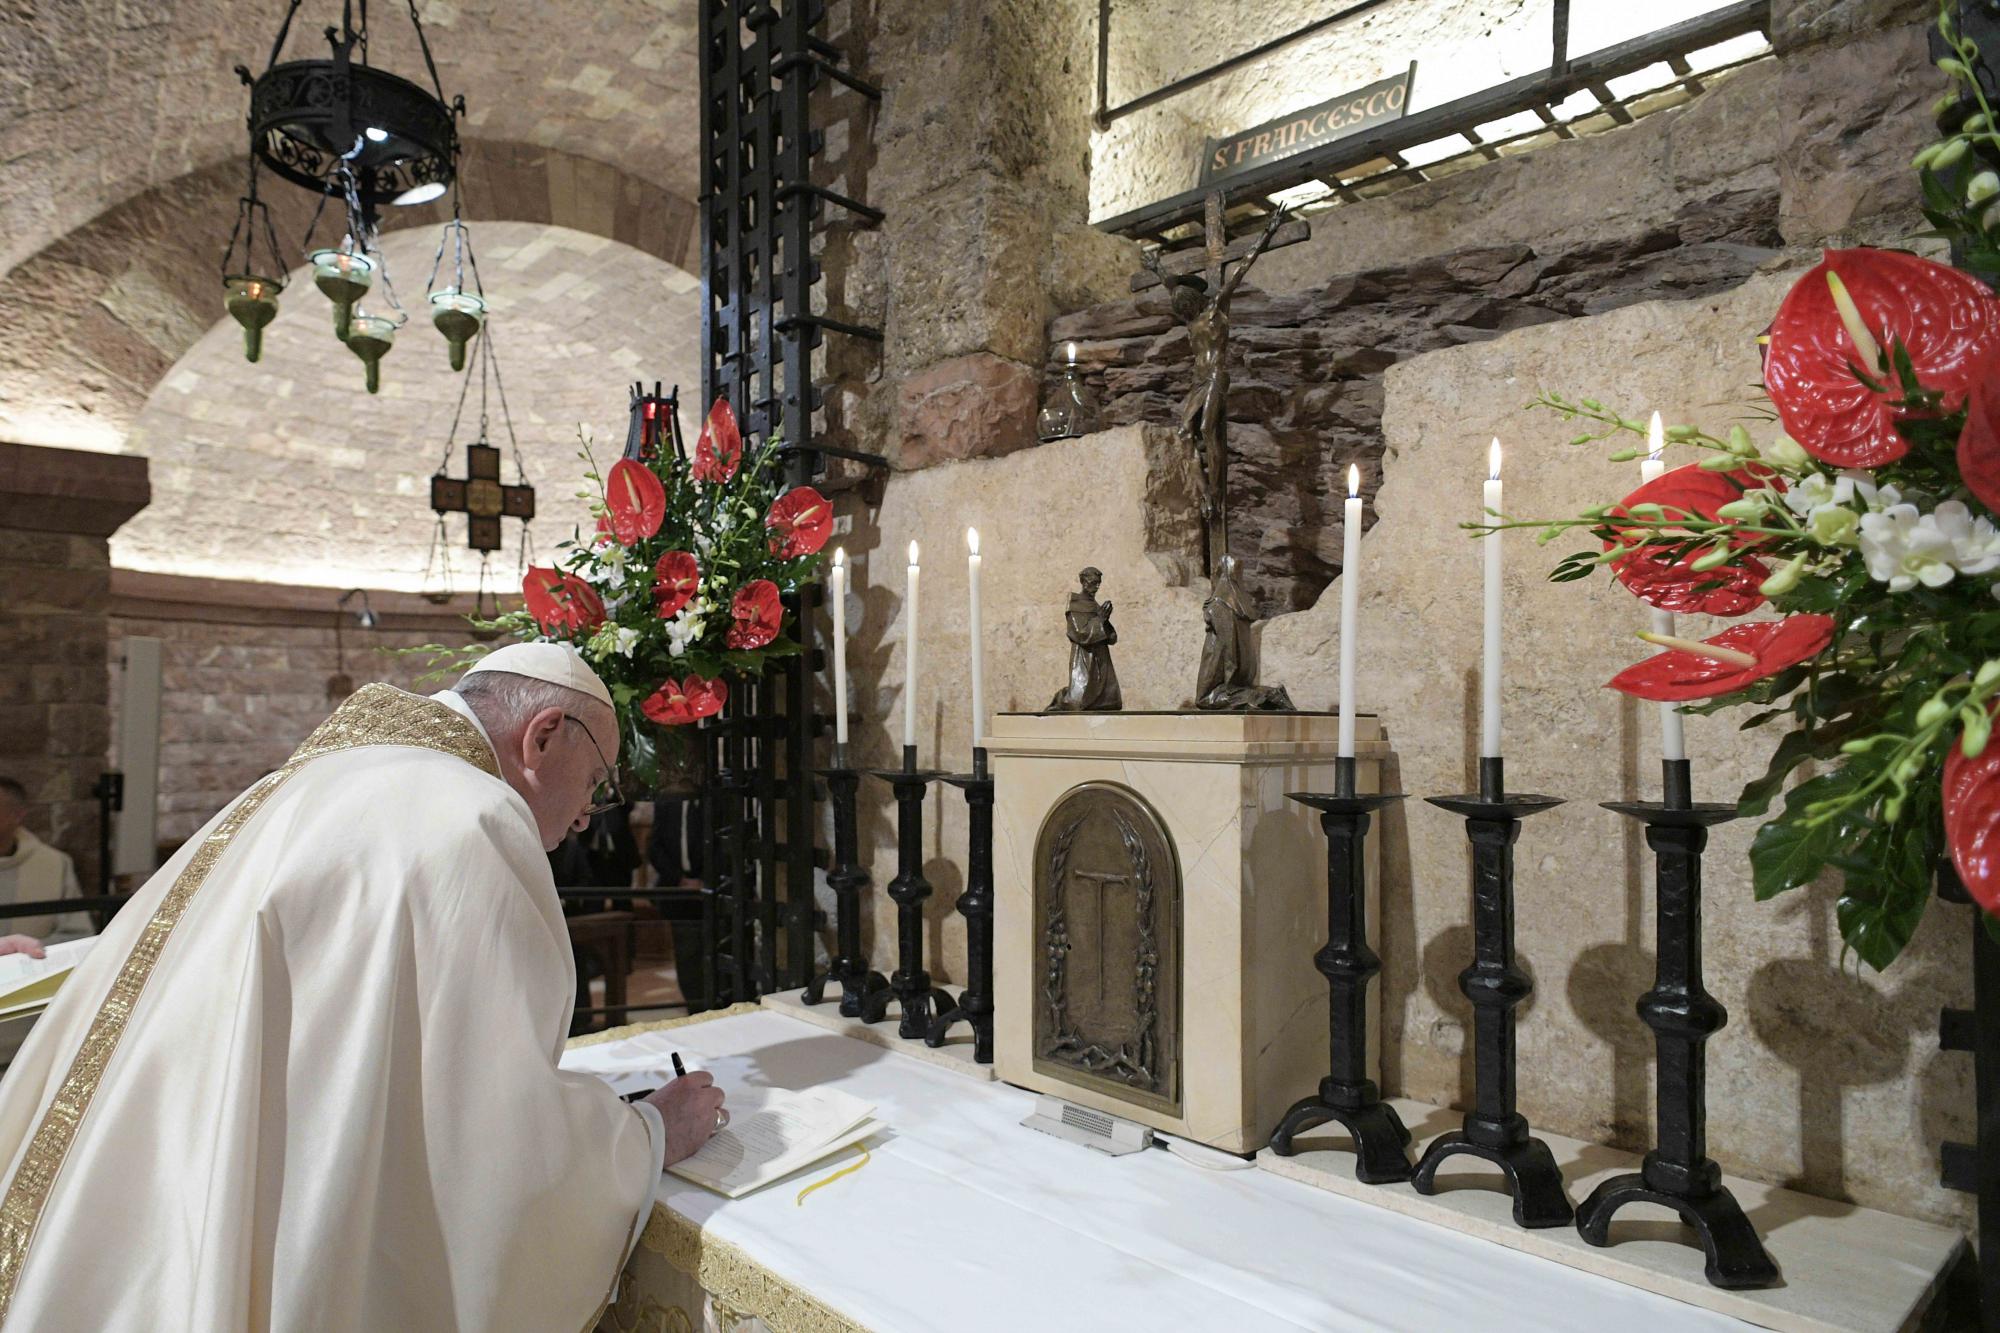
(1102, 881)
(482, 497)
(1200, 284)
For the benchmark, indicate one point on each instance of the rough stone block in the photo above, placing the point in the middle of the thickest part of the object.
(966, 259)
(977, 406)
(1855, 114)
(1797, 23)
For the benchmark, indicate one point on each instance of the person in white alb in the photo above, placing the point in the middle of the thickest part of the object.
(31, 871)
(307, 1078)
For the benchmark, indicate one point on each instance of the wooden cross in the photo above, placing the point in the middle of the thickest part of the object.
(1216, 251)
(1102, 881)
(482, 497)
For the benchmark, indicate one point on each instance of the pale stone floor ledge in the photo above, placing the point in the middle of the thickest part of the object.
(955, 1054)
(1844, 1267)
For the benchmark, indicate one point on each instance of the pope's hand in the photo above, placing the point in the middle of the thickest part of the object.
(691, 1106)
(26, 944)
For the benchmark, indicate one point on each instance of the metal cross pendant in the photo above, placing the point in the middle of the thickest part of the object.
(482, 497)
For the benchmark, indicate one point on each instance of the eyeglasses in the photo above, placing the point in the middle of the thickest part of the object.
(605, 795)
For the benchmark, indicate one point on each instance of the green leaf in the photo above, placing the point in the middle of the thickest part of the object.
(1796, 748)
(1790, 851)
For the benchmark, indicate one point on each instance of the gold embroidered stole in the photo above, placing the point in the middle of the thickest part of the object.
(373, 715)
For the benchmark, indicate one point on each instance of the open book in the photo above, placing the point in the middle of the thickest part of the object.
(28, 984)
(773, 1133)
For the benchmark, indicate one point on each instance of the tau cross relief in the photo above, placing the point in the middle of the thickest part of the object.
(1200, 300)
(1102, 881)
(482, 497)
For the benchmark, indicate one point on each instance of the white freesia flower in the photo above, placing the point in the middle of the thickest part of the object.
(1903, 548)
(624, 641)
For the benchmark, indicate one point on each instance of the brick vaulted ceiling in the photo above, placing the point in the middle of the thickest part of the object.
(103, 100)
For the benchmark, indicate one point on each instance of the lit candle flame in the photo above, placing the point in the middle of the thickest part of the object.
(913, 553)
(1353, 481)
(1656, 437)
(972, 540)
(839, 557)
(1072, 353)
(1493, 461)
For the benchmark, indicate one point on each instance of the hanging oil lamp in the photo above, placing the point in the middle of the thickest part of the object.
(345, 276)
(252, 281)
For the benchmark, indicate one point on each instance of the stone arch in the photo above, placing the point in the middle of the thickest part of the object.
(91, 323)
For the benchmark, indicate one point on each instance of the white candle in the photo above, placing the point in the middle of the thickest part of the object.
(1350, 604)
(978, 648)
(1673, 741)
(910, 656)
(1489, 737)
(840, 645)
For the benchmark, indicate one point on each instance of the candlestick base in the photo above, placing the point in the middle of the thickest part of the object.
(1678, 1172)
(975, 1003)
(847, 968)
(1493, 1130)
(1347, 1096)
(910, 984)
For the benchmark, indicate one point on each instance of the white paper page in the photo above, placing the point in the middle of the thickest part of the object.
(771, 1134)
(18, 969)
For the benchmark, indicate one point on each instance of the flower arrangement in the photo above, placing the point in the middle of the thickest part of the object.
(682, 585)
(1866, 524)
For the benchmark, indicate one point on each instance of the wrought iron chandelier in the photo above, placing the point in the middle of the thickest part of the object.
(347, 130)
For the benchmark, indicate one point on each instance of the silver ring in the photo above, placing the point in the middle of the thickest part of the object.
(721, 1119)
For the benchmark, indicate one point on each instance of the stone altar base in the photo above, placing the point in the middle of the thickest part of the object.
(1241, 1028)
(1845, 1269)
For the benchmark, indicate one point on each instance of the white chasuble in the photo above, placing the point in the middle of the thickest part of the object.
(308, 1079)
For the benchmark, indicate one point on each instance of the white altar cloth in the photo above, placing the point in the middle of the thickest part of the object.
(964, 1220)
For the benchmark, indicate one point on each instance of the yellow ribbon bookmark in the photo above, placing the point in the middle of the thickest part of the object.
(844, 1171)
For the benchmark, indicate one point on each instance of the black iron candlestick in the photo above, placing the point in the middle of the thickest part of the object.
(847, 967)
(909, 985)
(1493, 1129)
(1678, 1171)
(1347, 1096)
(975, 1002)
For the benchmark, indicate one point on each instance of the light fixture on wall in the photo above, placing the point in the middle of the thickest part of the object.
(345, 130)
(1069, 409)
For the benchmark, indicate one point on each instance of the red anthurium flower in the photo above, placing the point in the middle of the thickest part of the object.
(637, 501)
(1972, 821)
(674, 580)
(1946, 320)
(758, 615)
(1671, 585)
(679, 702)
(1979, 445)
(800, 522)
(720, 449)
(561, 602)
(1754, 651)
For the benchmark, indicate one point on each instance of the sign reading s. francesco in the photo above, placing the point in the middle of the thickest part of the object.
(1347, 114)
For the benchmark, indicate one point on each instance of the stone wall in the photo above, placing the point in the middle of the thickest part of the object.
(1825, 1079)
(245, 669)
(1305, 393)
(1810, 148)
(57, 508)
(979, 156)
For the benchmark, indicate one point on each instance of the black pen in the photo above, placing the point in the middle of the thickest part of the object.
(679, 1068)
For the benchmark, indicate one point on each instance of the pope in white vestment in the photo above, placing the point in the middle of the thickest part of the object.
(307, 1079)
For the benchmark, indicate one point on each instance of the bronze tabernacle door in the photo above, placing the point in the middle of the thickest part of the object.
(1108, 909)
